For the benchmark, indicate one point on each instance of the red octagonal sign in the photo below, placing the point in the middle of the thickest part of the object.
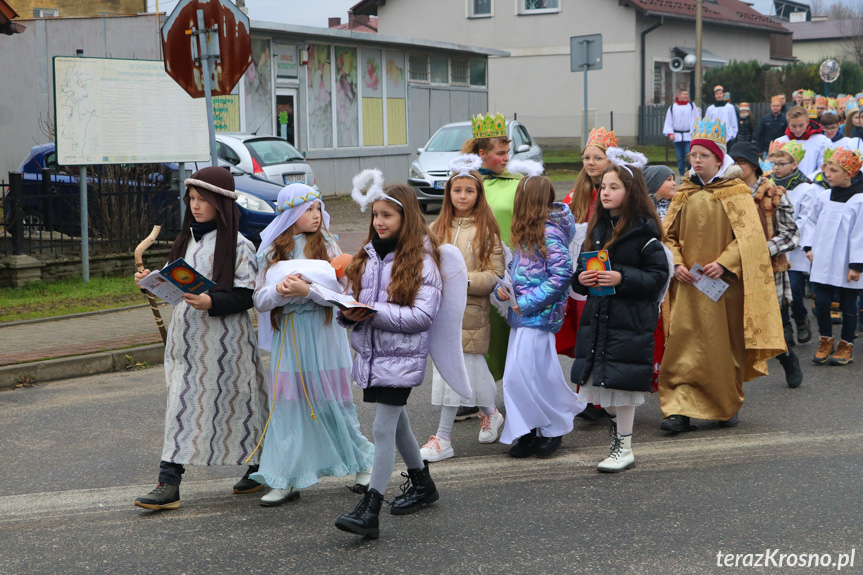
(180, 45)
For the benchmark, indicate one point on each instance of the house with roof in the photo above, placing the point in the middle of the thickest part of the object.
(640, 38)
(818, 39)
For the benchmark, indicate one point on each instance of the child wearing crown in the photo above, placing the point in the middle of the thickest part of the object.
(712, 221)
(810, 135)
(833, 241)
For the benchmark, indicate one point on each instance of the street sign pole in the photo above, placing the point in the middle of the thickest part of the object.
(85, 224)
(585, 53)
(207, 52)
(585, 44)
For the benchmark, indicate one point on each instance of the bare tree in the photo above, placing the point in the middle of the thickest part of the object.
(850, 16)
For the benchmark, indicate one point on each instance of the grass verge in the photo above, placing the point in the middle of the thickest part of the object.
(654, 154)
(70, 296)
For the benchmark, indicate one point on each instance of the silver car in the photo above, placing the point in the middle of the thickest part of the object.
(266, 157)
(429, 172)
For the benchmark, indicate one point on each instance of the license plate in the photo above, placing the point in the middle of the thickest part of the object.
(440, 184)
(294, 178)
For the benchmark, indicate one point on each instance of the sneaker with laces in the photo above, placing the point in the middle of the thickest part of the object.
(164, 496)
(437, 449)
(825, 350)
(843, 354)
(489, 426)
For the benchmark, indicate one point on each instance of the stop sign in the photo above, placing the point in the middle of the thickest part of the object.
(180, 45)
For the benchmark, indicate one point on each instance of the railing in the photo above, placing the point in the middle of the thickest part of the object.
(42, 213)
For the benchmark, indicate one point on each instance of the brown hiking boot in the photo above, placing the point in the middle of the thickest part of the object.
(843, 354)
(825, 350)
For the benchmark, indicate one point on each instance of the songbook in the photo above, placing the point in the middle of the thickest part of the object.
(712, 288)
(176, 279)
(597, 261)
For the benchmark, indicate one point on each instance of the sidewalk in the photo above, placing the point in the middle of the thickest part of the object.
(91, 343)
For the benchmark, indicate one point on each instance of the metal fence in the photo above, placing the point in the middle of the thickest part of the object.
(651, 119)
(42, 213)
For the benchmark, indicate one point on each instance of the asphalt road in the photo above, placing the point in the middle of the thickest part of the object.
(75, 454)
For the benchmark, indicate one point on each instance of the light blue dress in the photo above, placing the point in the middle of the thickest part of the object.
(313, 429)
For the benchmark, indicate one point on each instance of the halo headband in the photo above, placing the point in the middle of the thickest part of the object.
(462, 166)
(625, 158)
(529, 168)
(369, 188)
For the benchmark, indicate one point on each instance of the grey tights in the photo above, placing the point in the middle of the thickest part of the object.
(392, 430)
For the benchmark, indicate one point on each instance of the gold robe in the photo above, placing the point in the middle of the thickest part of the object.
(713, 347)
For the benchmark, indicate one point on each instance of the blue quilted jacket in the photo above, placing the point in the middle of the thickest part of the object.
(541, 285)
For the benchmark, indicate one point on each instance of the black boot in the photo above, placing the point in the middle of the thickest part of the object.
(162, 497)
(804, 332)
(789, 334)
(791, 365)
(363, 520)
(525, 446)
(246, 485)
(418, 491)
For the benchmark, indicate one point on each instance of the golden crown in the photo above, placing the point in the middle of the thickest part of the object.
(709, 129)
(849, 160)
(601, 139)
(489, 126)
(794, 149)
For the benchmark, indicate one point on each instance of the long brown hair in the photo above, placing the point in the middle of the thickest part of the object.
(315, 249)
(636, 203)
(582, 193)
(487, 230)
(406, 277)
(849, 123)
(533, 199)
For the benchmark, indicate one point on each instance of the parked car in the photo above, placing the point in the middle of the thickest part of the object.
(61, 211)
(429, 173)
(265, 156)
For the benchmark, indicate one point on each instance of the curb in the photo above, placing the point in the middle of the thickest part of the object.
(79, 365)
(77, 315)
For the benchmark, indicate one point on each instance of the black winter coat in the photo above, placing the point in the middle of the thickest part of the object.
(769, 128)
(615, 338)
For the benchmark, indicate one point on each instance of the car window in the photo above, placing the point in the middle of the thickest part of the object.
(517, 139)
(226, 153)
(270, 152)
(449, 139)
(525, 135)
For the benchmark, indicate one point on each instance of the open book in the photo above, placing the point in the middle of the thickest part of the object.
(324, 296)
(174, 280)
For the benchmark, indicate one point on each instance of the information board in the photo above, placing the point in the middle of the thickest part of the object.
(112, 111)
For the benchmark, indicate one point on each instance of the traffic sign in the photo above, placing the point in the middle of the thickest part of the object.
(227, 32)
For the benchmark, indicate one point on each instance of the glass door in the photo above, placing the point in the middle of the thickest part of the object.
(286, 114)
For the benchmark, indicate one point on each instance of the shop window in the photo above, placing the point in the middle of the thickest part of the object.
(347, 104)
(372, 87)
(397, 117)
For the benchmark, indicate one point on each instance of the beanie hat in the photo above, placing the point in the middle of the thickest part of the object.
(655, 176)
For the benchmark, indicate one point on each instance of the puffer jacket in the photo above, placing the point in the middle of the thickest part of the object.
(615, 338)
(392, 346)
(541, 285)
(475, 329)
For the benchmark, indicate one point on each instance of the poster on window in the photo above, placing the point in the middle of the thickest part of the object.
(347, 103)
(320, 89)
(286, 61)
(372, 86)
(397, 127)
(258, 88)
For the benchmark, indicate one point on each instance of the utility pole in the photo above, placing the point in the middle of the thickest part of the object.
(241, 4)
(698, 30)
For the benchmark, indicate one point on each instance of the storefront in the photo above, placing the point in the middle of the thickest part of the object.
(351, 100)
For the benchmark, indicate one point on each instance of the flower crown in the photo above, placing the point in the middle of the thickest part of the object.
(369, 188)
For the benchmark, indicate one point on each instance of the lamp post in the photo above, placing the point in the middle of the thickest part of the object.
(698, 30)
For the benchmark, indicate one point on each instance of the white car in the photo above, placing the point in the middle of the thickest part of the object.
(268, 157)
(429, 173)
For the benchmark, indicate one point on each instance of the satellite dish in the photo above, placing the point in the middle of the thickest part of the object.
(676, 64)
(829, 71)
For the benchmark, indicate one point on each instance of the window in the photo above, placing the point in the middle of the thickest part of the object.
(525, 135)
(45, 13)
(418, 68)
(439, 69)
(227, 154)
(479, 8)
(460, 73)
(477, 72)
(538, 6)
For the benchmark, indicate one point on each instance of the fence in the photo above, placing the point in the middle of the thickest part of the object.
(42, 213)
(652, 119)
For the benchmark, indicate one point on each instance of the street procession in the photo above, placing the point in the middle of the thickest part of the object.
(591, 341)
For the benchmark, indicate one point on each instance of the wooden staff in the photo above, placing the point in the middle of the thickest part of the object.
(139, 263)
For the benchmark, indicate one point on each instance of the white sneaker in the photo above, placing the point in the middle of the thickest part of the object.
(437, 449)
(279, 496)
(489, 426)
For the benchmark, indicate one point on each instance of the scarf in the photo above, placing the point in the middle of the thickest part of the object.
(792, 181)
(199, 229)
(679, 103)
(384, 246)
(812, 129)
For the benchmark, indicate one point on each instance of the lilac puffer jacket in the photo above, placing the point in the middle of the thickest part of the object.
(392, 346)
(542, 284)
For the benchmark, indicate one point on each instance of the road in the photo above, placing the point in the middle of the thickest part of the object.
(75, 454)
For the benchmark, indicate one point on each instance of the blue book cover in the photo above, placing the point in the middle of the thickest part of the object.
(187, 278)
(597, 261)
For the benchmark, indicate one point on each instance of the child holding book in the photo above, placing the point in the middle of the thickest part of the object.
(614, 349)
(313, 430)
(216, 381)
(540, 406)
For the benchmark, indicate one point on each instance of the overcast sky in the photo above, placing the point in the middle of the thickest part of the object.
(303, 12)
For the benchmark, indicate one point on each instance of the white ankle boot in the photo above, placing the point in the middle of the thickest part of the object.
(278, 497)
(620, 458)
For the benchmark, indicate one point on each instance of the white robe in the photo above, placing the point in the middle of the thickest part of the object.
(728, 115)
(814, 147)
(834, 231)
(802, 197)
(679, 120)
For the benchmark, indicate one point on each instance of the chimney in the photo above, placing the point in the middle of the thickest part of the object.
(334, 22)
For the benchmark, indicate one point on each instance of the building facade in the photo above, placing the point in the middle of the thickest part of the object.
(76, 8)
